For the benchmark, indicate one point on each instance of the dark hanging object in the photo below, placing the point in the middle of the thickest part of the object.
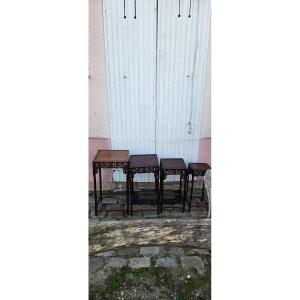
(135, 9)
(179, 9)
(124, 9)
(190, 8)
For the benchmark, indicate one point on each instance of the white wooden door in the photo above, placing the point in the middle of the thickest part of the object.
(131, 65)
(156, 69)
(181, 68)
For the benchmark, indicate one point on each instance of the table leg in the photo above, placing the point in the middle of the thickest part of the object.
(202, 194)
(180, 198)
(184, 193)
(95, 194)
(187, 188)
(157, 192)
(127, 193)
(100, 180)
(131, 193)
(192, 186)
(161, 191)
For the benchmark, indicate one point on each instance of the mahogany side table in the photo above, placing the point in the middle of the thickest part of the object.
(197, 169)
(110, 159)
(173, 166)
(144, 164)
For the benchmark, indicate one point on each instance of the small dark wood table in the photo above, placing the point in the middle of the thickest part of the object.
(110, 159)
(144, 164)
(173, 166)
(197, 169)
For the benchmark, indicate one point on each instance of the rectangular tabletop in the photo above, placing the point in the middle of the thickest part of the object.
(172, 164)
(112, 156)
(199, 166)
(143, 161)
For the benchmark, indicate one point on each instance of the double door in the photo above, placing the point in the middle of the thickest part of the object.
(156, 65)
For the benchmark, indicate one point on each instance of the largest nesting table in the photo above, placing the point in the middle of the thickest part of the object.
(110, 159)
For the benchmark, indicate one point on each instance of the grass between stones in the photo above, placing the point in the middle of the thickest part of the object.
(153, 283)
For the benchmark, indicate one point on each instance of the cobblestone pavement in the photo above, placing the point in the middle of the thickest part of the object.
(121, 248)
(164, 256)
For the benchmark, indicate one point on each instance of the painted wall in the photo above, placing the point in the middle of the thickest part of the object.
(98, 107)
(205, 141)
(99, 128)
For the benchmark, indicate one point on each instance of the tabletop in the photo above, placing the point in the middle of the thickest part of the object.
(172, 163)
(199, 166)
(112, 156)
(143, 161)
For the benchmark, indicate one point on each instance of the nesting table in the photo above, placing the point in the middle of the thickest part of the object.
(197, 169)
(143, 164)
(173, 166)
(110, 159)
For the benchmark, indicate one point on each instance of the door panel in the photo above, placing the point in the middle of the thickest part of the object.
(181, 65)
(156, 67)
(131, 65)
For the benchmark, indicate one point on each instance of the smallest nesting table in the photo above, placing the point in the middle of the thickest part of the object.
(110, 159)
(173, 166)
(197, 169)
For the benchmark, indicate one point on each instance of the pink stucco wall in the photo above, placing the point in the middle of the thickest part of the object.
(205, 150)
(95, 145)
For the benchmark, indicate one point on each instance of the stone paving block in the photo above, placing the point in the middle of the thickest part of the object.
(150, 214)
(128, 251)
(197, 252)
(122, 201)
(115, 215)
(139, 262)
(93, 219)
(166, 262)
(115, 206)
(102, 215)
(105, 254)
(176, 251)
(144, 207)
(149, 250)
(193, 262)
(95, 263)
(195, 214)
(116, 262)
(109, 201)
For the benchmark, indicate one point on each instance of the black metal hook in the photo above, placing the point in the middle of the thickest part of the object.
(178, 8)
(190, 8)
(124, 9)
(135, 9)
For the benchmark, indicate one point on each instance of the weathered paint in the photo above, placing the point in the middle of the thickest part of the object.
(131, 57)
(98, 106)
(182, 55)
